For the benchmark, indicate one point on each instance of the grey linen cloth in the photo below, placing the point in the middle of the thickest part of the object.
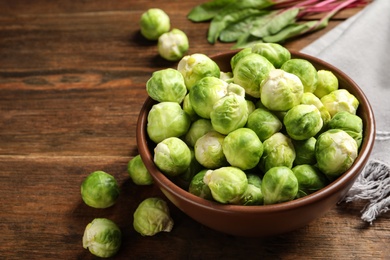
(360, 48)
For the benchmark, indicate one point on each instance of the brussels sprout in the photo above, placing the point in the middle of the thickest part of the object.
(227, 184)
(335, 152)
(138, 172)
(154, 22)
(264, 123)
(327, 82)
(250, 71)
(197, 66)
(205, 93)
(172, 156)
(310, 179)
(274, 52)
(167, 119)
(279, 184)
(253, 194)
(209, 152)
(242, 53)
(303, 122)
(278, 150)
(305, 71)
(152, 216)
(236, 89)
(309, 98)
(183, 180)
(280, 90)
(305, 151)
(352, 124)
(102, 237)
(99, 190)
(187, 107)
(242, 148)
(198, 187)
(340, 100)
(251, 106)
(166, 85)
(197, 129)
(229, 113)
(173, 45)
(226, 76)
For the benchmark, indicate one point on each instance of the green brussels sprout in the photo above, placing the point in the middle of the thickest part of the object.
(183, 180)
(173, 45)
(242, 53)
(236, 89)
(310, 179)
(172, 156)
(305, 71)
(198, 187)
(340, 100)
(352, 124)
(242, 148)
(251, 106)
(152, 216)
(305, 151)
(327, 82)
(309, 98)
(302, 122)
(197, 129)
(227, 184)
(100, 190)
(336, 151)
(154, 22)
(102, 237)
(226, 76)
(197, 66)
(280, 90)
(138, 172)
(209, 152)
(278, 150)
(166, 85)
(274, 52)
(253, 194)
(167, 119)
(279, 184)
(264, 123)
(229, 113)
(205, 93)
(187, 107)
(250, 71)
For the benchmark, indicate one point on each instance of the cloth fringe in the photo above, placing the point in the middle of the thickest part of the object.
(373, 185)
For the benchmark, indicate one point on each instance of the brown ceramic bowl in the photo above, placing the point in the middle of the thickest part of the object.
(252, 221)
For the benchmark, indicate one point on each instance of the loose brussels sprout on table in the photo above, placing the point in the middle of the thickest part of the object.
(173, 45)
(154, 22)
(287, 125)
(100, 190)
(102, 237)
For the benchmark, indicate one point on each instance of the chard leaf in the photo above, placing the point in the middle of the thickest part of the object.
(208, 10)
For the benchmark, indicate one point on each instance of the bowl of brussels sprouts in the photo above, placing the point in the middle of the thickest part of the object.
(254, 142)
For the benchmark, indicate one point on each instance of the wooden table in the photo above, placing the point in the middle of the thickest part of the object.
(72, 82)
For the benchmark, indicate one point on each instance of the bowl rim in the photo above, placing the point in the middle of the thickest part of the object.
(332, 188)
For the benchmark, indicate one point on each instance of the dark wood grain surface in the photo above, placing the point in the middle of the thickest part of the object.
(72, 82)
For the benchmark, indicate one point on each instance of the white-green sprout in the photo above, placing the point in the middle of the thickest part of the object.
(166, 85)
(167, 119)
(242, 148)
(327, 82)
(352, 124)
(340, 100)
(305, 151)
(152, 216)
(274, 52)
(197, 129)
(187, 107)
(250, 71)
(310, 179)
(172, 156)
(102, 237)
(138, 172)
(264, 123)
(305, 71)
(154, 22)
(198, 187)
(336, 151)
(253, 194)
(280, 90)
(209, 152)
(303, 121)
(309, 98)
(197, 66)
(227, 184)
(173, 45)
(100, 190)
(279, 184)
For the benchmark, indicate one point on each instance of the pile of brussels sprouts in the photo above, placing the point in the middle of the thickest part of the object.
(271, 130)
